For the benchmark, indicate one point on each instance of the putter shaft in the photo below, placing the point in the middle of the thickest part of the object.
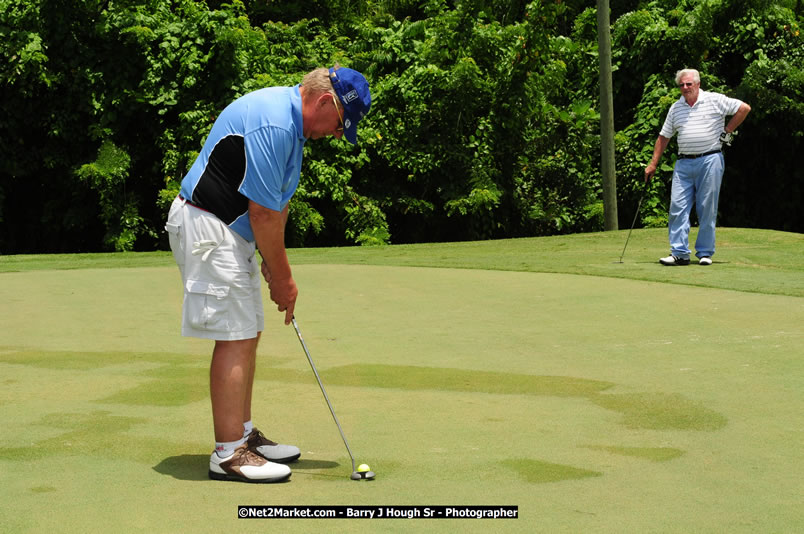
(321, 385)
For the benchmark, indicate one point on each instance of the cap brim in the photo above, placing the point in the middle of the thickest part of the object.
(351, 134)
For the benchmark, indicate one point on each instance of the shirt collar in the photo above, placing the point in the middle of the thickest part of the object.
(702, 95)
(296, 106)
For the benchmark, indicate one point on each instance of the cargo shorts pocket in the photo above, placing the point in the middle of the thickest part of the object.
(176, 245)
(207, 306)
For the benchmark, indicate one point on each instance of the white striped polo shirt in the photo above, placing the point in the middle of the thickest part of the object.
(699, 126)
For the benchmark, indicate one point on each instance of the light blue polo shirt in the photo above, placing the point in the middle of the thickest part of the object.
(254, 152)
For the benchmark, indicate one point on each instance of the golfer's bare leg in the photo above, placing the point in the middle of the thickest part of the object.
(250, 382)
(229, 376)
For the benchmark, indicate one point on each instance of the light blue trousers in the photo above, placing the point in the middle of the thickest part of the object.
(695, 181)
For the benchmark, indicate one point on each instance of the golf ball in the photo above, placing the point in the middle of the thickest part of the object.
(363, 468)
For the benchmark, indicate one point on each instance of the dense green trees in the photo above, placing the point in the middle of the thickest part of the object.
(484, 121)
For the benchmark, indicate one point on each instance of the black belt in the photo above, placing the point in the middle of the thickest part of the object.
(693, 156)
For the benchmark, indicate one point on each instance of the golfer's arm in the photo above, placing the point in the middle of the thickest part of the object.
(269, 231)
(738, 117)
(658, 149)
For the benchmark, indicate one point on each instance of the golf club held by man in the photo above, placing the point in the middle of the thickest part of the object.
(699, 119)
(233, 203)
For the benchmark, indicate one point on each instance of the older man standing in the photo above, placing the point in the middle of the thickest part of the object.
(699, 118)
(233, 201)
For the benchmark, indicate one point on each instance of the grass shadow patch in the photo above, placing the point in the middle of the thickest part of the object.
(661, 411)
(88, 360)
(654, 454)
(64, 360)
(97, 432)
(462, 380)
(160, 393)
(541, 472)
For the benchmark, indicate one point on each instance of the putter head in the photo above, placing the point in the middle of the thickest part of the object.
(366, 475)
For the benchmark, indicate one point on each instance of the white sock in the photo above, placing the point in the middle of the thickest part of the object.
(225, 448)
(248, 426)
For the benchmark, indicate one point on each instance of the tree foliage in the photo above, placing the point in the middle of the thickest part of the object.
(484, 120)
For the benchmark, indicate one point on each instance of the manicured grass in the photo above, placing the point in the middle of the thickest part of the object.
(760, 261)
(107, 260)
(594, 403)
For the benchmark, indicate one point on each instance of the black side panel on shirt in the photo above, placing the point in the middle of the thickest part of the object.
(216, 190)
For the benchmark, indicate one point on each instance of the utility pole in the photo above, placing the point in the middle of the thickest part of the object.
(606, 117)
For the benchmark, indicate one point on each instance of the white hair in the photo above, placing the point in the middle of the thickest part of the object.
(696, 77)
(317, 81)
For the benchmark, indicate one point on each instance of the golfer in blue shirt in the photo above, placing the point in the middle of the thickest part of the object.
(233, 203)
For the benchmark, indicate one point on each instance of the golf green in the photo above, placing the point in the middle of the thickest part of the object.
(593, 404)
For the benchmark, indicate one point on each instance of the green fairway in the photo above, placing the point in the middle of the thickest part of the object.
(759, 261)
(597, 397)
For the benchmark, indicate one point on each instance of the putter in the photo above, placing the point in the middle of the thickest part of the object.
(364, 475)
(632, 224)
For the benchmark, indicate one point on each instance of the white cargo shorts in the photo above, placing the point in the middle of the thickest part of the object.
(220, 273)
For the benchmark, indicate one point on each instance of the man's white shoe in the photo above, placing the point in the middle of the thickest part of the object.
(706, 260)
(674, 260)
(243, 465)
(270, 450)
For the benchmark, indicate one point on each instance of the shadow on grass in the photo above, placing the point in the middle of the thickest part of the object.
(193, 467)
(185, 466)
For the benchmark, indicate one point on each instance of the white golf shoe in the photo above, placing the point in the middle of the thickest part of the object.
(706, 260)
(246, 466)
(674, 260)
(270, 450)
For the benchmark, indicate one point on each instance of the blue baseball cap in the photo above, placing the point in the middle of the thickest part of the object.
(353, 92)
